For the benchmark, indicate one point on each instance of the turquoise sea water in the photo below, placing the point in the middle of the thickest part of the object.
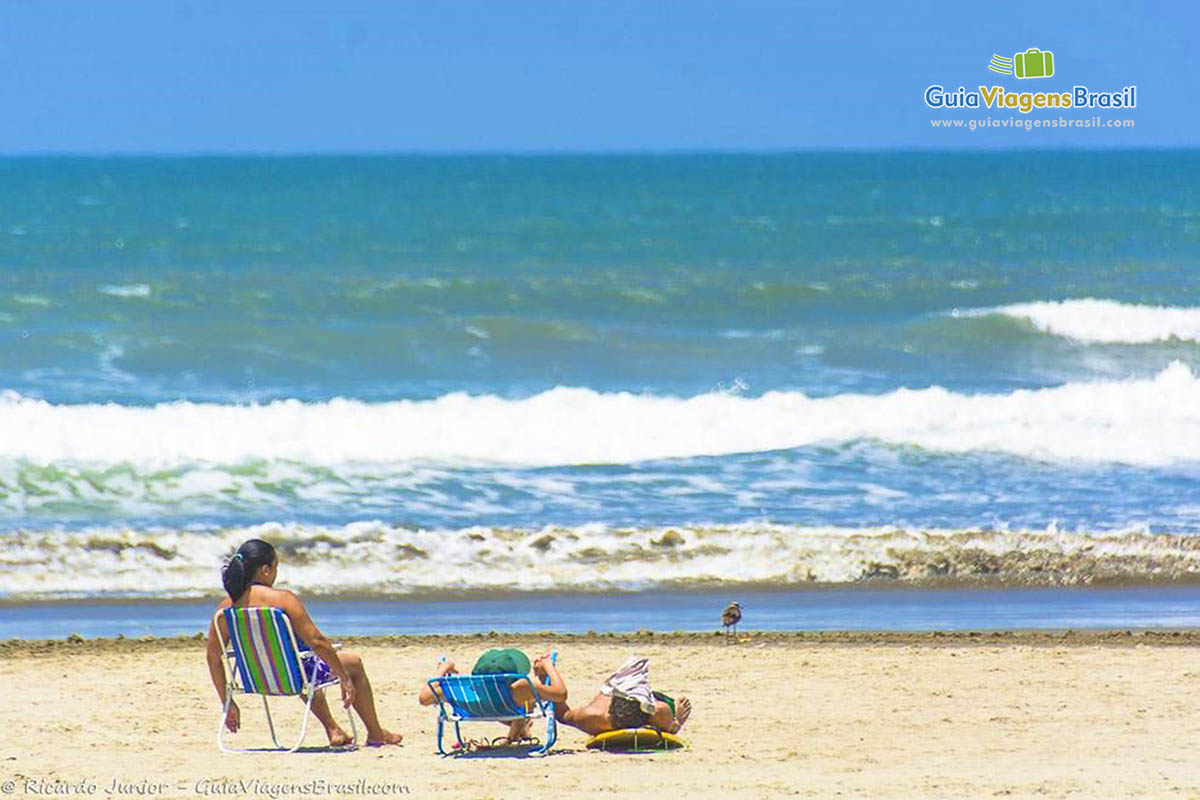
(567, 372)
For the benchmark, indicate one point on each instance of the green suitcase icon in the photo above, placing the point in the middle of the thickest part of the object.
(1034, 63)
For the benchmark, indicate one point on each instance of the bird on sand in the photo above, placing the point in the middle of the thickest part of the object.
(730, 617)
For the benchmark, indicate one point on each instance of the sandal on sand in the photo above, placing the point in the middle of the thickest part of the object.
(504, 741)
(479, 745)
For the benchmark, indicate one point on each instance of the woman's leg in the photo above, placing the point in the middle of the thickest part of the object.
(364, 701)
(320, 710)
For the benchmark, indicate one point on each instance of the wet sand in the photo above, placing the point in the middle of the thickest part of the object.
(1012, 714)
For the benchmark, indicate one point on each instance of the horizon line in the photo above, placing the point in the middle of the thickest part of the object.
(599, 152)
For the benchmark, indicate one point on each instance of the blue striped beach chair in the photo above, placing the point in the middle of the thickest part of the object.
(488, 698)
(264, 657)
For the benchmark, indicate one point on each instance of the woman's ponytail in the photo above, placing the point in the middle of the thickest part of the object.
(238, 574)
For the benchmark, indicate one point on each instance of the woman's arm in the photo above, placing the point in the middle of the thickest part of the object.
(307, 630)
(216, 671)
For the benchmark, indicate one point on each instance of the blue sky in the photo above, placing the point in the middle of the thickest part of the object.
(180, 77)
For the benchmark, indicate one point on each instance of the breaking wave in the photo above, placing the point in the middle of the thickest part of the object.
(1104, 321)
(376, 559)
(1148, 421)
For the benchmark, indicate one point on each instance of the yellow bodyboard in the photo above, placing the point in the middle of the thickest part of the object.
(635, 740)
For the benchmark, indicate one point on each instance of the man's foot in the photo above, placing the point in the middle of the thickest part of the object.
(337, 737)
(683, 710)
(383, 737)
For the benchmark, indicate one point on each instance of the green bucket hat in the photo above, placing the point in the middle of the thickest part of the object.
(506, 661)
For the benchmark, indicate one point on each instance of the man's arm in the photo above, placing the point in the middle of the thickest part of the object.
(553, 688)
(427, 697)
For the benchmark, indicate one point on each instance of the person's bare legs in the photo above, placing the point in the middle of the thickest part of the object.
(320, 709)
(364, 701)
(664, 720)
(519, 730)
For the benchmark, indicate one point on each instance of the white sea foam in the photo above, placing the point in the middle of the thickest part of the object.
(131, 290)
(1150, 421)
(373, 558)
(1104, 321)
(33, 300)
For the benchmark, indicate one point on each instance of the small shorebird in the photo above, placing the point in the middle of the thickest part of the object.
(730, 617)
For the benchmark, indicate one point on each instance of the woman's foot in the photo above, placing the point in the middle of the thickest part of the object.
(683, 710)
(337, 736)
(382, 737)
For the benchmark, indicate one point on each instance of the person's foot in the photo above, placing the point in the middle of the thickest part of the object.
(519, 730)
(337, 737)
(382, 737)
(683, 710)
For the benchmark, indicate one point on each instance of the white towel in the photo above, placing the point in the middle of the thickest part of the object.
(632, 681)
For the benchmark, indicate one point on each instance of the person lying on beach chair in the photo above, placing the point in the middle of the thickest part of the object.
(507, 661)
(249, 580)
(627, 701)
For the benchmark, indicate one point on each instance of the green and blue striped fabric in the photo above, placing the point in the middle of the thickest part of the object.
(267, 662)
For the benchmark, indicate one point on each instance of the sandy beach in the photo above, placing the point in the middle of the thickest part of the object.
(811, 715)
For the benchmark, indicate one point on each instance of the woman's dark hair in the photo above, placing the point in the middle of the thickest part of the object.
(237, 574)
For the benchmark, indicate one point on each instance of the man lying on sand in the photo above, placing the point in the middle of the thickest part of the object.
(509, 661)
(627, 701)
(249, 579)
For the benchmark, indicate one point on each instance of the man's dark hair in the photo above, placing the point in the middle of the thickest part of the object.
(626, 713)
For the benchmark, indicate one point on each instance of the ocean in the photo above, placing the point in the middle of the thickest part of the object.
(439, 377)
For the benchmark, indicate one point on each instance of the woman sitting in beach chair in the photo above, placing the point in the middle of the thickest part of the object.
(249, 580)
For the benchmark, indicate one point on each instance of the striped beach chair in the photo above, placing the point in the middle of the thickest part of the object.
(488, 698)
(264, 657)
